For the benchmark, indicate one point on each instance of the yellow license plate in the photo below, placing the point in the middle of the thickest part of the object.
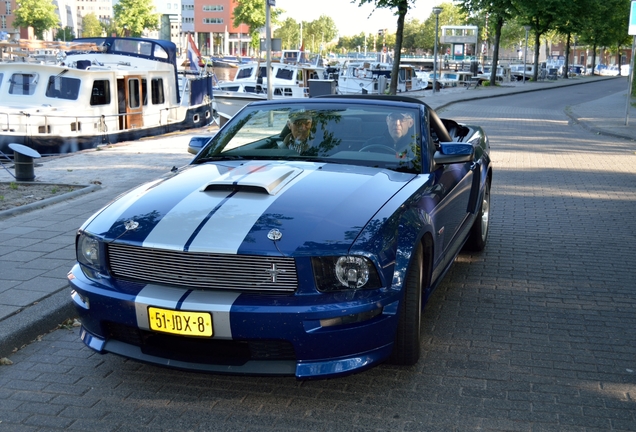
(180, 322)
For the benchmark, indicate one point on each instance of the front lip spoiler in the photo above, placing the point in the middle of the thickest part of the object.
(302, 370)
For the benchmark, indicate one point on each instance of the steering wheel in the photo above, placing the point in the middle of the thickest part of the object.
(373, 147)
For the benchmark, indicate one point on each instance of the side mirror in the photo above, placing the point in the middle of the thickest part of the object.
(198, 142)
(454, 152)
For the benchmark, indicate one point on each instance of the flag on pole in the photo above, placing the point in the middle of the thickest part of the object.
(193, 54)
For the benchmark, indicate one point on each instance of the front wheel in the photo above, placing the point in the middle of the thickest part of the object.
(479, 231)
(406, 348)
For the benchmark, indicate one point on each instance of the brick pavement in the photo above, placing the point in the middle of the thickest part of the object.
(529, 335)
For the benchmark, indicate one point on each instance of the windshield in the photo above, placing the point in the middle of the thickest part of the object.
(378, 136)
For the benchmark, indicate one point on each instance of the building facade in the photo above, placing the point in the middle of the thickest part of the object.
(210, 24)
(215, 31)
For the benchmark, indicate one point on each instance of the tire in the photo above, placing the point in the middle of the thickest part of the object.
(406, 348)
(479, 231)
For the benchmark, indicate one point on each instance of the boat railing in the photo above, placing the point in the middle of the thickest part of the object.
(43, 124)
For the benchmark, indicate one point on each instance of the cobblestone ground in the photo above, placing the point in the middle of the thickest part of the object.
(534, 334)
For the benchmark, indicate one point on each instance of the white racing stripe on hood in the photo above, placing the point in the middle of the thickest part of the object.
(228, 226)
(217, 303)
(177, 226)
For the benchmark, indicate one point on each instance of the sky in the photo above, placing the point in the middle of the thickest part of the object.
(351, 19)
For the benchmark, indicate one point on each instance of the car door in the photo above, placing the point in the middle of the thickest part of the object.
(452, 185)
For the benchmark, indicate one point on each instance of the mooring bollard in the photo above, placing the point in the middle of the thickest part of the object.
(23, 161)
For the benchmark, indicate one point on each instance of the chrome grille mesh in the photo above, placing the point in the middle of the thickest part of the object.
(199, 270)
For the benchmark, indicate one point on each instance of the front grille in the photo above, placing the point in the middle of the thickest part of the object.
(200, 350)
(198, 270)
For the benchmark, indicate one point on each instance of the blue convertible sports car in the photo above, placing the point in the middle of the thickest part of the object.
(304, 239)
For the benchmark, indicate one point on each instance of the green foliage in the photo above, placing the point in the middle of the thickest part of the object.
(39, 14)
(289, 34)
(316, 34)
(135, 16)
(319, 31)
(252, 13)
(91, 26)
(66, 34)
(110, 28)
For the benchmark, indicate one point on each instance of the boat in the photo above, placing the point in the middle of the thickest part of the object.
(96, 91)
(288, 79)
(229, 102)
(456, 78)
(502, 74)
(375, 78)
(520, 72)
(291, 78)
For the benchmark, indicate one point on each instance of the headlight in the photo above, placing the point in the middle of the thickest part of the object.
(345, 272)
(88, 251)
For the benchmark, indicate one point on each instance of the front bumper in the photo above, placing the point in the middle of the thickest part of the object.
(310, 336)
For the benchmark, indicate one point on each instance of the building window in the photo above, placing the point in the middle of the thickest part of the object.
(212, 20)
(8, 7)
(212, 8)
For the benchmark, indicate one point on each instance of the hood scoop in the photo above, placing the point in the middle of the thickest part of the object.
(261, 179)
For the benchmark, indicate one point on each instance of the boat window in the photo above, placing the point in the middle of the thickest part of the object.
(100, 94)
(144, 91)
(157, 91)
(23, 84)
(286, 74)
(63, 88)
(160, 52)
(1, 77)
(133, 93)
(133, 47)
(244, 73)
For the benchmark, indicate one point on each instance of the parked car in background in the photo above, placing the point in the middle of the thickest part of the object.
(304, 239)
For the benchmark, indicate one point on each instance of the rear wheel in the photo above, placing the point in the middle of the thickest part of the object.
(406, 348)
(479, 231)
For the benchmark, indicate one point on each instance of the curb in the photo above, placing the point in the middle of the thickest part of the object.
(4, 214)
(34, 320)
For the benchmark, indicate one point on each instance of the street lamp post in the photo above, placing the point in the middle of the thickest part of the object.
(436, 11)
(525, 53)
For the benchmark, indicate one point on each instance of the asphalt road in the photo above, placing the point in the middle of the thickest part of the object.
(536, 333)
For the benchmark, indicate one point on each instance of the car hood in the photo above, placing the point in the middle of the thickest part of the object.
(251, 208)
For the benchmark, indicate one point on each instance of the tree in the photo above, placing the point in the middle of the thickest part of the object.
(541, 17)
(413, 37)
(135, 16)
(498, 12)
(252, 13)
(66, 34)
(39, 14)
(110, 27)
(318, 31)
(402, 7)
(91, 26)
(288, 33)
